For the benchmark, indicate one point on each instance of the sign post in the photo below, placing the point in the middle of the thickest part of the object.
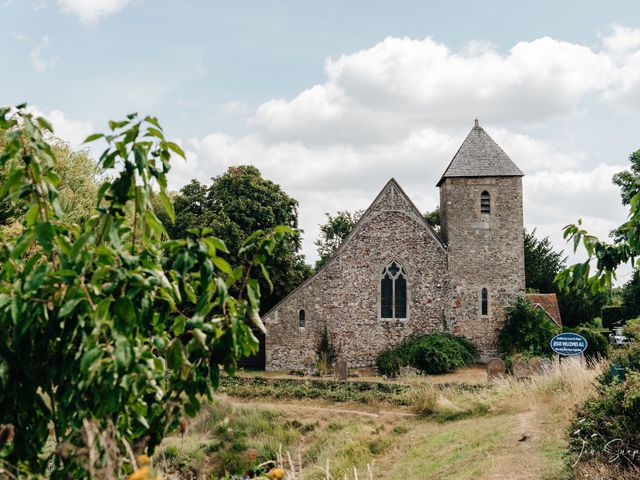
(568, 344)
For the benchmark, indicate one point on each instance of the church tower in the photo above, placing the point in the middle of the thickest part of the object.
(482, 226)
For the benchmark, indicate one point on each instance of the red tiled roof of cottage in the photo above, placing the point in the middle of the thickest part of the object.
(548, 302)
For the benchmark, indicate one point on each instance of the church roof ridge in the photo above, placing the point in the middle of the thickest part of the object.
(363, 219)
(480, 156)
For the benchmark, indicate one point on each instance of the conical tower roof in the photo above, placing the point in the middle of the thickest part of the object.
(480, 156)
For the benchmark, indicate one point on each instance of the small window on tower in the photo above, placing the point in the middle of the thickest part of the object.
(484, 302)
(301, 319)
(485, 202)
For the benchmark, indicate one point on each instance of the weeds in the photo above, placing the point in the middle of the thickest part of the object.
(400, 394)
(466, 424)
(569, 384)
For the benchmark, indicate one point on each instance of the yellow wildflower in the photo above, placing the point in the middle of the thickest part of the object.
(140, 474)
(276, 473)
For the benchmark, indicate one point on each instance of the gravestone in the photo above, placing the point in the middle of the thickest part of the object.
(340, 371)
(520, 369)
(409, 371)
(547, 366)
(495, 369)
(537, 366)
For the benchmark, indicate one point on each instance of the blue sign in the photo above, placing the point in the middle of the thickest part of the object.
(569, 344)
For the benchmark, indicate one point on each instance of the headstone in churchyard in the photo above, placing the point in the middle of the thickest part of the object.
(520, 369)
(495, 369)
(408, 371)
(340, 371)
(547, 366)
(536, 366)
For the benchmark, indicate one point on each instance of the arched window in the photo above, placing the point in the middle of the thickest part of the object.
(485, 202)
(484, 302)
(393, 292)
(301, 319)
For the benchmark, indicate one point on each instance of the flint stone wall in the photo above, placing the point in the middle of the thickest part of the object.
(443, 285)
(344, 295)
(484, 251)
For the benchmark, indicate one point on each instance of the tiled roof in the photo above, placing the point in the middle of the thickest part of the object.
(548, 302)
(480, 156)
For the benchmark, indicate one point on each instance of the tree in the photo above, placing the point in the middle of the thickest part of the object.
(542, 263)
(580, 305)
(526, 330)
(78, 183)
(333, 232)
(191, 209)
(627, 180)
(631, 296)
(95, 341)
(433, 219)
(606, 257)
(236, 204)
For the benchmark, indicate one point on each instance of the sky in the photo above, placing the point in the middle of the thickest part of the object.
(331, 99)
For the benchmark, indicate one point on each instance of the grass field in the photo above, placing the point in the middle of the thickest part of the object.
(410, 430)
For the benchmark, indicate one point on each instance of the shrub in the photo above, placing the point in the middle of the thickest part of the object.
(433, 353)
(628, 357)
(326, 352)
(609, 423)
(598, 345)
(632, 328)
(527, 330)
(389, 362)
(438, 353)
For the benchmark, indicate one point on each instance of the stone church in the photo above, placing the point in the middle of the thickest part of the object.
(394, 276)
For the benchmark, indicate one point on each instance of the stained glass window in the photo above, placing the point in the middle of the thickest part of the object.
(386, 300)
(393, 292)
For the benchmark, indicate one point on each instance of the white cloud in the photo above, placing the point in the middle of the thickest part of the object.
(402, 108)
(400, 83)
(90, 11)
(554, 200)
(328, 178)
(70, 130)
(18, 37)
(39, 61)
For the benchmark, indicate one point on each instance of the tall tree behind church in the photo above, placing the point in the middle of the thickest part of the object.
(237, 203)
(333, 232)
(542, 263)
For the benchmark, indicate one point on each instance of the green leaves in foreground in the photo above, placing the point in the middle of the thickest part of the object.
(111, 332)
(604, 256)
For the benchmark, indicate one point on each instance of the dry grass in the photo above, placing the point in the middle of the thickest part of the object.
(476, 374)
(565, 386)
(507, 430)
(512, 430)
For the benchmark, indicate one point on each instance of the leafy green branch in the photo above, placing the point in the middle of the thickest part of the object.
(108, 326)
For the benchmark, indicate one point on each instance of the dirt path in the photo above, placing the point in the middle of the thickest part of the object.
(520, 448)
(497, 447)
(302, 407)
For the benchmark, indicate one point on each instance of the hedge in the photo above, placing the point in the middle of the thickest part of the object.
(432, 354)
